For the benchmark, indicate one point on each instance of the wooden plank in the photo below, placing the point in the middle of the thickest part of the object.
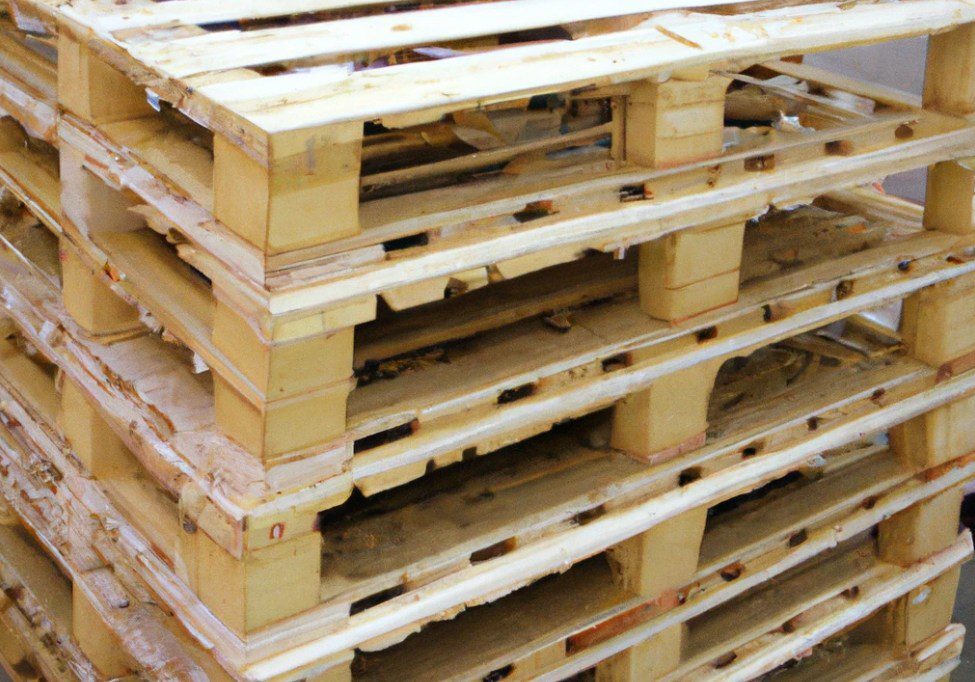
(670, 42)
(225, 50)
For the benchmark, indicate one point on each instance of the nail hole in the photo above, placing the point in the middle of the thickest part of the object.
(518, 393)
(798, 538)
(707, 334)
(688, 476)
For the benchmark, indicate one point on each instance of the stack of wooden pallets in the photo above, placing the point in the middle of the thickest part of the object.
(521, 339)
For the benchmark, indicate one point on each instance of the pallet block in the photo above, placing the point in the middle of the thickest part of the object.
(675, 121)
(304, 193)
(268, 584)
(656, 564)
(938, 326)
(910, 536)
(98, 643)
(950, 197)
(691, 272)
(667, 419)
(93, 305)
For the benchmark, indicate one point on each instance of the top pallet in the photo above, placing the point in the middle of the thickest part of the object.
(286, 87)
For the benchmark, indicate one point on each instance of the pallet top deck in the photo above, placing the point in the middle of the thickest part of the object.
(307, 64)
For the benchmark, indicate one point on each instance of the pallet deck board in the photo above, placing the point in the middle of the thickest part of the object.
(670, 41)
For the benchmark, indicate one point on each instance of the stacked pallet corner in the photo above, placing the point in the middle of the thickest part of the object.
(352, 340)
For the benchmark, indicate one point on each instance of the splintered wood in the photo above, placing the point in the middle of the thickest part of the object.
(511, 339)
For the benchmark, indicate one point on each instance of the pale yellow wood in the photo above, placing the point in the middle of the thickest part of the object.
(95, 307)
(921, 530)
(267, 585)
(925, 610)
(941, 435)
(690, 272)
(938, 322)
(675, 122)
(99, 643)
(27, 373)
(282, 369)
(98, 447)
(648, 660)
(283, 426)
(88, 202)
(93, 90)
(663, 559)
(949, 76)
(950, 197)
(656, 564)
(306, 194)
(668, 418)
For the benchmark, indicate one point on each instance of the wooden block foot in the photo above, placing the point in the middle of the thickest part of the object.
(921, 530)
(938, 322)
(266, 585)
(938, 436)
(89, 301)
(675, 122)
(668, 418)
(98, 447)
(690, 272)
(647, 660)
(306, 192)
(98, 643)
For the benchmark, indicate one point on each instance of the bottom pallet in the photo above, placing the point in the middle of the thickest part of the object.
(834, 617)
(783, 571)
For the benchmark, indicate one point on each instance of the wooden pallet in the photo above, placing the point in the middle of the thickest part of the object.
(592, 610)
(274, 317)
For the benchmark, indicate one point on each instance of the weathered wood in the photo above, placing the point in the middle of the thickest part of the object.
(668, 418)
(94, 90)
(949, 76)
(921, 530)
(269, 584)
(99, 643)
